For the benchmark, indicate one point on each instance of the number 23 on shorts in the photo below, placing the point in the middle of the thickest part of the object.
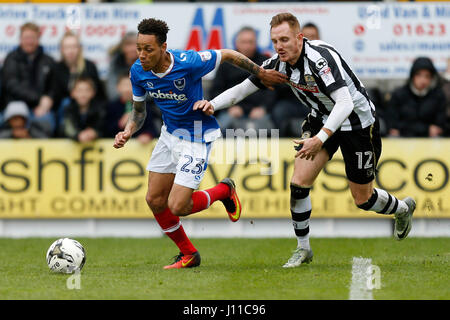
(198, 165)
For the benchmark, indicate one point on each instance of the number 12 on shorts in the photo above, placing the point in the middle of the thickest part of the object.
(368, 164)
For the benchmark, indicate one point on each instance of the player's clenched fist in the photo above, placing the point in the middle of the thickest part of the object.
(205, 106)
(121, 138)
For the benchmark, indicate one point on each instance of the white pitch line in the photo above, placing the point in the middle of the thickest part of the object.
(359, 289)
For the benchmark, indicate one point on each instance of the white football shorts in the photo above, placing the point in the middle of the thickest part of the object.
(187, 160)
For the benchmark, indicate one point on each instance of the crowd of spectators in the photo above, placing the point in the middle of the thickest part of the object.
(41, 97)
(44, 98)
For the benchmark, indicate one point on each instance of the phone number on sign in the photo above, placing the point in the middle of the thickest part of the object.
(89, 30)
(427, 29)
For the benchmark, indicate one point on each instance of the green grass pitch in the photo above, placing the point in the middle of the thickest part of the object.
(416, 268)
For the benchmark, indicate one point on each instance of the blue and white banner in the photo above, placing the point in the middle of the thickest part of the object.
(378, 40)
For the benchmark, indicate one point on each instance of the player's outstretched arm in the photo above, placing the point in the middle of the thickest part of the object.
(227, 98)
(268, 77)
(135, 122)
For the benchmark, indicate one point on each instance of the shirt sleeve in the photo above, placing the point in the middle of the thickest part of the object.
(139, 93)
(330, 71)
(341, 110)
(203, 62)
(234, 95)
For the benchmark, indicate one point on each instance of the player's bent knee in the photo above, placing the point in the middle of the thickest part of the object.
(156, 203)
(178, 208)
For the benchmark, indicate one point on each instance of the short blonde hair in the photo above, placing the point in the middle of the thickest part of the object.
(285, 17)
(30, 26)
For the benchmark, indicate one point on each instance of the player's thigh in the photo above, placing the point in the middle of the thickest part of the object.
(306, 171)
(165, 155)
(361, 150)
(159, 186)
(192, 163)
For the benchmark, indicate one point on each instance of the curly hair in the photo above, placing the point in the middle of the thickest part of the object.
(155, 27)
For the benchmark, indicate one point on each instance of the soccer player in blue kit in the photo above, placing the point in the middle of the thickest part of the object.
(179, 160)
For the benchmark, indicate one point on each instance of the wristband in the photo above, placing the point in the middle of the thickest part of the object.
(322, 135)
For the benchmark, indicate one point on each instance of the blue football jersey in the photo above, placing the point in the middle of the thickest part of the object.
(176, 90)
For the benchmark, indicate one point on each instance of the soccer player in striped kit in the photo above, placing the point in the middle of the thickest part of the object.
(342, 115)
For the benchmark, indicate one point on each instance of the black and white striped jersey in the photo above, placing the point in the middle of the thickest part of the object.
(319, 71)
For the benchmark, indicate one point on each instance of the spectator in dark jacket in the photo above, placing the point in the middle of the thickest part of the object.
(119, 110)
(253, 111)
(18, 125)
(27, 75)
(446, 88)
(72, 66)
(418, 108)
(122, 58)
(83, 118)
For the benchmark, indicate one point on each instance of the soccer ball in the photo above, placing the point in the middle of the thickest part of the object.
(66, 256)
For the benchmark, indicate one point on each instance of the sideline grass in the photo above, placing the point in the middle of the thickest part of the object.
(122, 268)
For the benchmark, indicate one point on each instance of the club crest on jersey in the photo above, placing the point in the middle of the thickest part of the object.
(179, 83)
(309, 79)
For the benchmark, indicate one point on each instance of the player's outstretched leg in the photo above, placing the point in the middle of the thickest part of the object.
(301, 212)
(384, 203)
(225, 191)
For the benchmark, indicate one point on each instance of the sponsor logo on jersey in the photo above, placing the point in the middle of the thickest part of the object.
(179, 83)
(167, 96)
(303, 87)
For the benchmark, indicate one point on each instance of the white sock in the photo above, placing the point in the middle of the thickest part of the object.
(303, 242)
(383, 202)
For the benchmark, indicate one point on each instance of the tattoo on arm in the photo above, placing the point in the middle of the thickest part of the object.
(137, 116)
(245, 63)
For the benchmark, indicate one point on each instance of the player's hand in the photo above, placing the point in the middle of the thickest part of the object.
(205, 106)
(310, 148)
(121, 138)
(270, 77)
